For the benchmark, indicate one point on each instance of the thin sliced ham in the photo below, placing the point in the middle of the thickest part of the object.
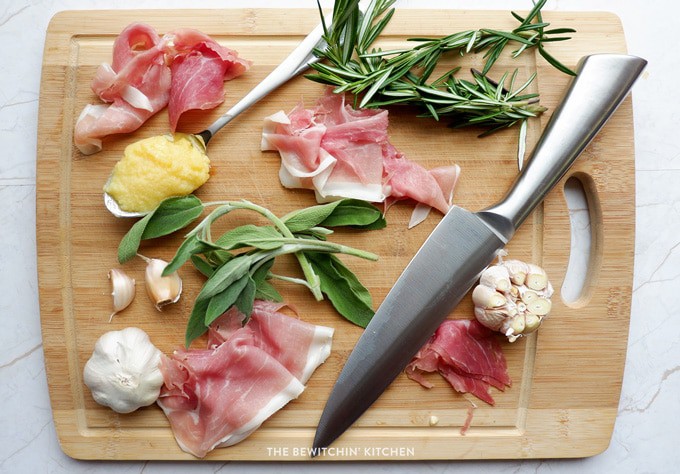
(218, 396)
(341, 152)
(199, 67)
(467, 355)
(182, 70)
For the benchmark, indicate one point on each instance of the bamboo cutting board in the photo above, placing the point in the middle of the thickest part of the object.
(566, 378)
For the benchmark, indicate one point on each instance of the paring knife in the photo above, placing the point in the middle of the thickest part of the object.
(464, 243)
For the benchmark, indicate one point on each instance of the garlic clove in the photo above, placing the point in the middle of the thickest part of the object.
(517, 270)
(518, 323)
(487, 297)
(491, 318)
(528, 295)
(537, 279)
(123, 290)
(496, 277)
(532, 322)
(162, 290)
(539, 306)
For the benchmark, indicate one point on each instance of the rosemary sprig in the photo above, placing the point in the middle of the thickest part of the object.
(379, 78)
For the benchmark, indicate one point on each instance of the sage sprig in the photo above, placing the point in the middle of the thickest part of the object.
(237, 263)
(379, 78)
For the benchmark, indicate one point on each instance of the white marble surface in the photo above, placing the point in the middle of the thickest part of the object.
(646, 434)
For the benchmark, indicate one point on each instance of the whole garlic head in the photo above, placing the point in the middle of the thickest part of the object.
(512, 297)
(123, 372)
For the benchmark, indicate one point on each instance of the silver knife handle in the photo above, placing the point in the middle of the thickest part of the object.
(601, 84)
(297, 62)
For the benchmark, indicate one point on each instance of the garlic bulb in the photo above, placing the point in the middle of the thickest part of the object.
(123, 290)
(162, 290)
(123, 372)
(512, 297)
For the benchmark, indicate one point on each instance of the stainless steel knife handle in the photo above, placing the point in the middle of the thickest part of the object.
(601, 84)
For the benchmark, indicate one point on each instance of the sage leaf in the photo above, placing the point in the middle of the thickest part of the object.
(171, 215)
(355, 213)
(191, 246)
(303, 219)
(246, 299)
(266, 291)
(218, 257)
(202, 266)
(262, 237)
(261, 273)
(129, 244)
(345, 212)
(345, 292)
(225, 276)
(196, 326)
(221, 302)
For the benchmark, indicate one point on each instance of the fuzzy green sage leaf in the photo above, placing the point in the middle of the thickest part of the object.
(171, 215)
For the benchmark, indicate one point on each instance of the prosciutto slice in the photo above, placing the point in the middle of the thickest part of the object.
(216, 397)
(199, 67)
(340, 152)
(467, 355)
(183, 70)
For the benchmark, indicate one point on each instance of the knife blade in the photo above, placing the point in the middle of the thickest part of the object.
(464, 243)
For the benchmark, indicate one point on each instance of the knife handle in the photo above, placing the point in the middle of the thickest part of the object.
(601, 84)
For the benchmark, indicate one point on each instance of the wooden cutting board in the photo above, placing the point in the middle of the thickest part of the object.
(567, 378)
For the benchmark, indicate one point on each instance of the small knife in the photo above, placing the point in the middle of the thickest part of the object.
(465, 243)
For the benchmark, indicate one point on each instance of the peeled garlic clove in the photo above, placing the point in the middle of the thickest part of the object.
(487, 297)
(162, 290)
(123, 290)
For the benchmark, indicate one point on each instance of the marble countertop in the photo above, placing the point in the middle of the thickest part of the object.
(646, 433)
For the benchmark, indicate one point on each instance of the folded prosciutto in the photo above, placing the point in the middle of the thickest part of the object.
(218, 396)
(184, 69)
(467, 355)
(340, 152)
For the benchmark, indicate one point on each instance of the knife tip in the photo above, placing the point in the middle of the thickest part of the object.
(320, 443)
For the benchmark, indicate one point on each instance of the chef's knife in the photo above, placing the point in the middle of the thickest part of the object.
(464, 243)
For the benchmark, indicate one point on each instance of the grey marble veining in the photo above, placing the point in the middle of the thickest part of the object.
(646, 433)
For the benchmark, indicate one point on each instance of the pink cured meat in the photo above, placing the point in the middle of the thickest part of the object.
(136, 88)
(143, 79)
(467, 355)
(353, 157)
(199, 68)
(220, 395)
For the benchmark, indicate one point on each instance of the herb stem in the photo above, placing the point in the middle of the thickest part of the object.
(298, 281)
(312, 277)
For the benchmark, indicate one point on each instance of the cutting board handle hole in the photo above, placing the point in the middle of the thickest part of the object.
(583, 204)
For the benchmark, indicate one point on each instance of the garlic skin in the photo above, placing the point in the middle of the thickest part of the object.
(123, 372)
(123, 290)
(162, 290)
(512, 297)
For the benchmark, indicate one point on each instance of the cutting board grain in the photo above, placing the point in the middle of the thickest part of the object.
(567, 378)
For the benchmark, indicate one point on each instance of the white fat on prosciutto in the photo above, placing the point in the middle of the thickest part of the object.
(341, 152)
(185, 69)
(218, 396)
(467, 355)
